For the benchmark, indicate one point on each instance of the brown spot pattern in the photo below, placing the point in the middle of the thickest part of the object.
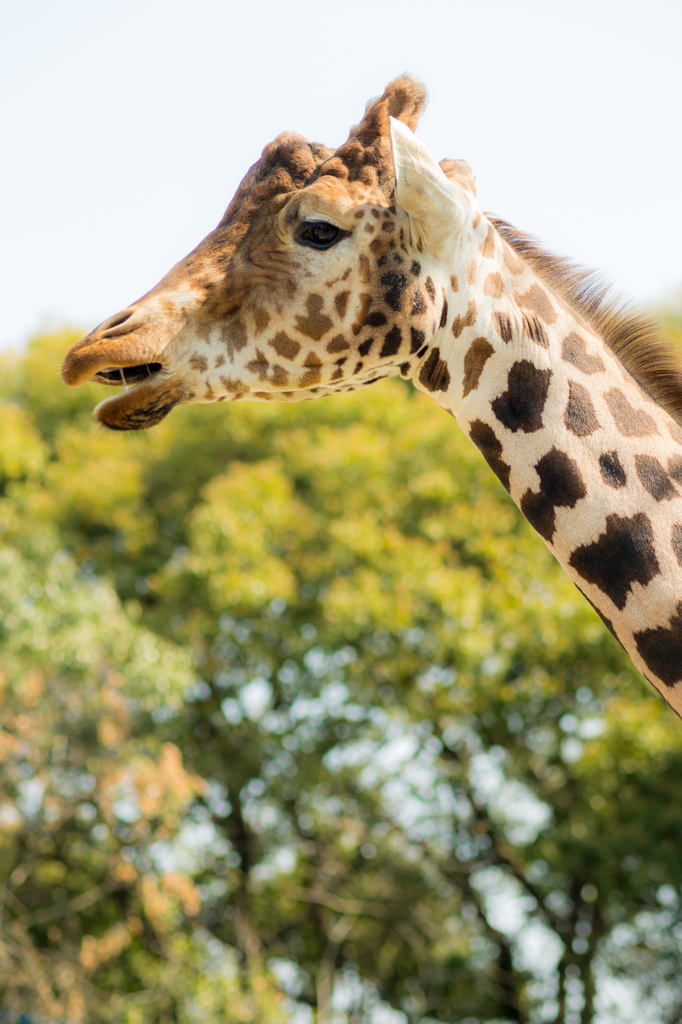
(494, 286)
(631, 422)
(391, 343)
(511, 260)
(468, 320)
(561, 486)
(396, 284)
(675, 468)
(417, 339)
(418, 304)
(574, 351)
(612, 473)
(262, 319)
(503, 326)
(490, 447)
(475, 359)
(521, 406)
(487, 246)
(624, 554)
(341, 302)
(654, 478)
(337, 344)
(285, 346)
(313, 374)
(260, 365)
(580, 417)
(534, 330)
(279, 376)
(434, 374)
(661, 649)
(235, 338)
(536, 300)
(315, 325)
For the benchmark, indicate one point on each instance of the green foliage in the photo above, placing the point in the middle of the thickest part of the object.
(300, 717)
(670, 316)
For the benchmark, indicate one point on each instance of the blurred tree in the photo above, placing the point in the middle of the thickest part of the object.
(302, 722)
(670, 315)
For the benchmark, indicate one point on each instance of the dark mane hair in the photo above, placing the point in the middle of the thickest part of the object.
(637, 341)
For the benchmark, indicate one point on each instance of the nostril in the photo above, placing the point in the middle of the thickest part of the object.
(116, 321)
(120, 318)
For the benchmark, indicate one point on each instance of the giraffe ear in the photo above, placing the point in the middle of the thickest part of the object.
(436, 208)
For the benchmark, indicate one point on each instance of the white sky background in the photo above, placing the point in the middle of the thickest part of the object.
(126, 125)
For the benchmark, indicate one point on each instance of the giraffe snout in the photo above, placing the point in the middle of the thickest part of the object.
(124, 349)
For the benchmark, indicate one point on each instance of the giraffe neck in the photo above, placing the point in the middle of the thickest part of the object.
(593, 462)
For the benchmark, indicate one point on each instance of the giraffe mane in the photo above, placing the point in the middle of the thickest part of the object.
(636, 340)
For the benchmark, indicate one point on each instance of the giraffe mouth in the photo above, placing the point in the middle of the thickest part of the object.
(142, 405)
(126, 376)
(126, 355)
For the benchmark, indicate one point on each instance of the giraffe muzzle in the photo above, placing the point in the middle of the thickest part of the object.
(125, 350)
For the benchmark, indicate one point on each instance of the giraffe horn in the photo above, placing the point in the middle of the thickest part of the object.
(404, 98)
(366, 154)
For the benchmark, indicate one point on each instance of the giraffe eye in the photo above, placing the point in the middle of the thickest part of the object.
(320, 234)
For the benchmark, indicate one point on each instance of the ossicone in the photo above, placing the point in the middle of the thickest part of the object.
(404, 98)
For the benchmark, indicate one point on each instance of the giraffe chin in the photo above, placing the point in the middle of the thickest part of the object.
(141, 407)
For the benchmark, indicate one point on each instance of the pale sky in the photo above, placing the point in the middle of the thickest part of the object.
(126, 125)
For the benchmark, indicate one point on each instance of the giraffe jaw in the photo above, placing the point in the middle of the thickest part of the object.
(141, 406)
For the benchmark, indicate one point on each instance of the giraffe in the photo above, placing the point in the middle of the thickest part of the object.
(332, 269)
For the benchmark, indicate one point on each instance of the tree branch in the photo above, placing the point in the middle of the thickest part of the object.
(341, 905)
(325, 974)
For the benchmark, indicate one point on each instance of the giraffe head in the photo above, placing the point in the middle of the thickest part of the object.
(322, 277)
